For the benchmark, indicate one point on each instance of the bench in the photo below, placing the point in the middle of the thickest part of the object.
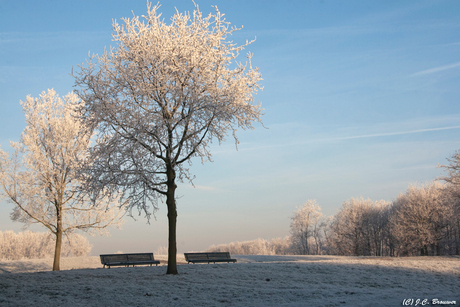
(208, 257)
(128, 259)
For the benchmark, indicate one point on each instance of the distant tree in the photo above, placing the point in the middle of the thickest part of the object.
(378, 228)
(158, 99)
(348, 226)
(452, 229)
(328, 235)
(277, 246)
(360, 228)
(453, 187)
(305, 228)
(41, 177)
(420, 218)
(453, 173)
(281, 246)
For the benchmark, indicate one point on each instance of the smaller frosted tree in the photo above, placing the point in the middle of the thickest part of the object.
(41, 177)
(305, 227)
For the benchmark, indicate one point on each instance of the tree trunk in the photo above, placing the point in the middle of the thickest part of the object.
(57, 249)
(57, 252)
(172, 220)
(424, 250)
(457, 240)
(306, 250)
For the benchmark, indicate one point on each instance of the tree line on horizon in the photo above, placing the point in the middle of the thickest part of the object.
(422, 221)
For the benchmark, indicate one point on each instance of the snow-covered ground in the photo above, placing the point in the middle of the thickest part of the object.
(252, 281)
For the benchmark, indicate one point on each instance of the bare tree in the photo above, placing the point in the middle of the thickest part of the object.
(305, 227)
(41, 177)
(159, 98)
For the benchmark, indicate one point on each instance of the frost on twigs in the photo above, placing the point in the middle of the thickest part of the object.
(42, 179)
(161, 96)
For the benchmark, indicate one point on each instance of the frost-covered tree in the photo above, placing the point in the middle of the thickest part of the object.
(360, 228)
(453, 173)
(159, 98)
(453, 188)
(377, 228)
(452, 230)
(277, 246)
(348, 226)
(41, 176)
(420, 218)
(305, 228)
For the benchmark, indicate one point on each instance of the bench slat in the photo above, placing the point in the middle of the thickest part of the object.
(140, 257)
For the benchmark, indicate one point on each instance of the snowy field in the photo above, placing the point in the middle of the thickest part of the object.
(252, 281)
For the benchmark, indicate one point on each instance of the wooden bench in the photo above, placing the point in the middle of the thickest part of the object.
(208, 257)
(128, 259)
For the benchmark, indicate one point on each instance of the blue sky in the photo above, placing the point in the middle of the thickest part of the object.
(360, 98)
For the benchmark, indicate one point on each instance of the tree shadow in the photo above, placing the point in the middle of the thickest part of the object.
(26, 266)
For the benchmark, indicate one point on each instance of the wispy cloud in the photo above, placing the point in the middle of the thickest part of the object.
(394, 133)
(300, 134)
(332, 139)
(436, 69)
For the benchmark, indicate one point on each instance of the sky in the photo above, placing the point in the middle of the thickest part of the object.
(360, 100)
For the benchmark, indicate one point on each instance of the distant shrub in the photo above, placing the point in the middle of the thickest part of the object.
(36, 245)
(162, 250)
(278, 246)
